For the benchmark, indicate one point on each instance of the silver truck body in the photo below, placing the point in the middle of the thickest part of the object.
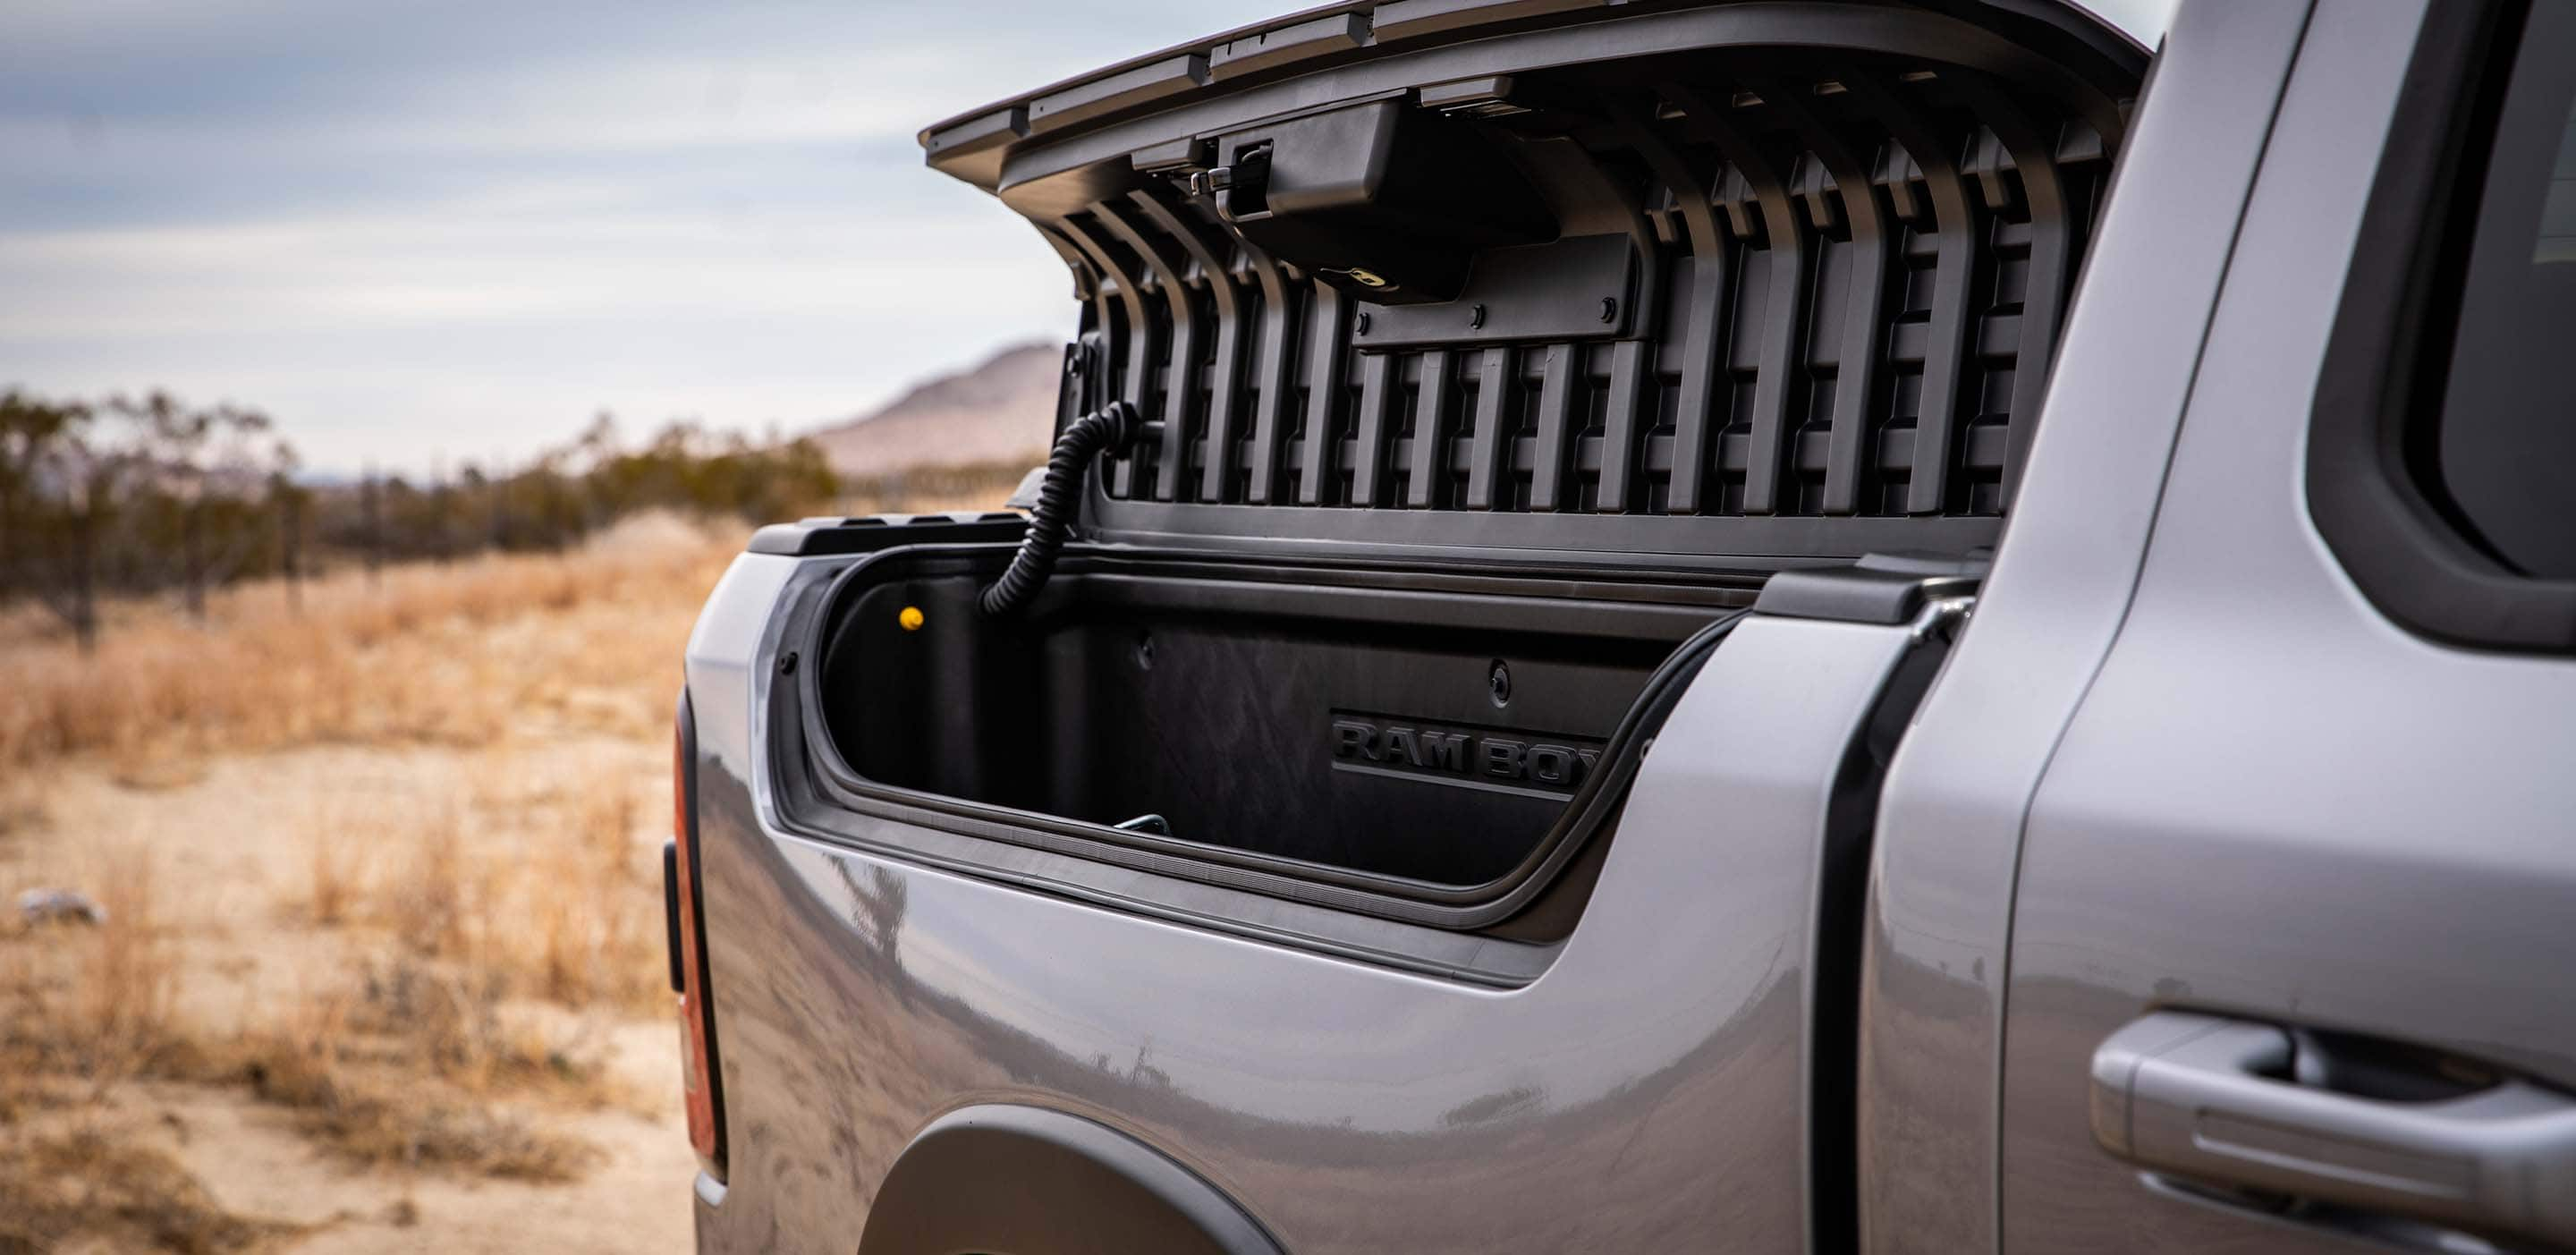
(2174, 761)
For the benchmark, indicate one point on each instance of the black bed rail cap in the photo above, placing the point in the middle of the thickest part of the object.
(815, 537)
(1879, 589)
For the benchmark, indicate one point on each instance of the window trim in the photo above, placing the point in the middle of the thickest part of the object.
(2407, 551)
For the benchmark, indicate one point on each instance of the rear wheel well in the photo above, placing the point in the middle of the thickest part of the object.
(1029, 1181)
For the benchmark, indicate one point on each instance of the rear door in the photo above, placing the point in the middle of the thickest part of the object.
(2293, 960)
(1937, 935)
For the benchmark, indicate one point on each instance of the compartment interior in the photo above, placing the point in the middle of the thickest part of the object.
(1414, 726)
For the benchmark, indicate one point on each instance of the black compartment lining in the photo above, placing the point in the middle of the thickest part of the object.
(1318, 596)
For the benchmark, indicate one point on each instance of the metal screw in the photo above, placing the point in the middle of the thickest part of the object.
(1364, 322)
(1498, 682)
(1609, 309)
(1476, 318)
(787, 663)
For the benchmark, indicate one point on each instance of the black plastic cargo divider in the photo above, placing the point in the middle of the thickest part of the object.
(1440, 741)
(1716, 284)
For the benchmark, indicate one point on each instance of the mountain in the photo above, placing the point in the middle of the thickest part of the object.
(1001, 409)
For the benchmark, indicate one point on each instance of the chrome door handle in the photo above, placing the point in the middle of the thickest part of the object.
(2211, 1099)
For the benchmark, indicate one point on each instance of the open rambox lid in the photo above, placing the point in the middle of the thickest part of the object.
(1719, 284)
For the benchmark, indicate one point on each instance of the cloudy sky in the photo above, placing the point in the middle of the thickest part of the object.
(452, 231)
(417, 233)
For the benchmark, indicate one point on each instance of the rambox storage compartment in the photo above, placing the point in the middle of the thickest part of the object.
(1419, 727)
(1450, 363)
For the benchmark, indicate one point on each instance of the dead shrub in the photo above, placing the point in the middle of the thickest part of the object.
(456, 1025)
(386, 1124)
(592, 909)
(126, 975)
(552, 897)
(54, 1190)
(430, 901)
(94, 1004)
(22, 811)
(335, 875)
(403, 1073)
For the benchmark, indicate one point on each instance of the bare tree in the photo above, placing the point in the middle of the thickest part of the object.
(371, 522)
(290, 502)
(27, 427)
(198, 469)
(150, 496)
(59, 491)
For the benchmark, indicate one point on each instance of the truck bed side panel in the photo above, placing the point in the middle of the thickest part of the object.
(1643, 1094)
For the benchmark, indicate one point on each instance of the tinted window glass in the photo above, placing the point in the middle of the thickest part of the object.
(2506, 447)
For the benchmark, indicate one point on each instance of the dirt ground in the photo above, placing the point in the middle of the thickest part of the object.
(246, 955)
(382, 962)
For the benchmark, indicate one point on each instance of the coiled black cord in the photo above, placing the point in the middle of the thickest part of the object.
(1108, 427)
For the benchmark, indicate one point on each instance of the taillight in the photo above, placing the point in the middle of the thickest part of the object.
(686, 912)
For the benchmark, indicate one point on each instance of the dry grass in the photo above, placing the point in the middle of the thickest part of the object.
(414, 1062)
(401, 1075)
(537, 886)
(130, 974)
(93, 1003)
(418, 960)
(595, 946)
(409, 1061)
(336, 875)
(85, 1185)
(22, 811)
(83, 1009)
(408, 658)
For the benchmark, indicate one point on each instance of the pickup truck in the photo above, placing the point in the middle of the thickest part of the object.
(1932, 626)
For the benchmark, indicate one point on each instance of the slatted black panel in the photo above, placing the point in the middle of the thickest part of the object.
(1853, 281)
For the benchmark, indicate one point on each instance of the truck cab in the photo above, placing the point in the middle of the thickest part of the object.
(1931, 626)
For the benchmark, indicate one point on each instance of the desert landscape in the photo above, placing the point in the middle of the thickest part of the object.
(380, 394)
(379, 957)
(333, 915)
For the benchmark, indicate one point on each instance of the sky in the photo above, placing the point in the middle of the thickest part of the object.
(423, 234)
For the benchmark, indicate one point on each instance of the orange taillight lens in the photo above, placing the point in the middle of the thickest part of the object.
(687, 920)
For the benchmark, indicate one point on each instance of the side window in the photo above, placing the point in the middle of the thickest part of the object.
(2442, 458)
(2505, 447)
